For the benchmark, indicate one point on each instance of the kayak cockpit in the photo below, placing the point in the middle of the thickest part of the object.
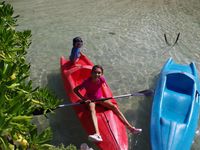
(177, 97)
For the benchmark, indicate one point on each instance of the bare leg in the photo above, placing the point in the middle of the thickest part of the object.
(116, 110)
(94, 117)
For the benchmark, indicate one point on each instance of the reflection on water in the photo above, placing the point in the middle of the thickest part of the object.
(126, 37)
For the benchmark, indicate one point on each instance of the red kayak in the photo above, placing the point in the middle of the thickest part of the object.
(111, 128)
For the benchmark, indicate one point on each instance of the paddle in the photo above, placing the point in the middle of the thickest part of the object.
(140, 93)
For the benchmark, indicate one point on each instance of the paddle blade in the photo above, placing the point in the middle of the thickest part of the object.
(41, 111)
(143, 93)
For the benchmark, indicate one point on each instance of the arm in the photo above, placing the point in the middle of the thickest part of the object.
(76, 91)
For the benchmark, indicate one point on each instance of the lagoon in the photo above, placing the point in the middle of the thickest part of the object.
(125, 37)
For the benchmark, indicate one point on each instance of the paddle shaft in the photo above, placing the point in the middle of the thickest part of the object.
(140, 93)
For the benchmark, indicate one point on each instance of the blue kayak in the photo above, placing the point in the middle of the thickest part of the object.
(175, 108)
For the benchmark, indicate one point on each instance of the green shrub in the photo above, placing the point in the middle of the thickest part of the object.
(18, 99)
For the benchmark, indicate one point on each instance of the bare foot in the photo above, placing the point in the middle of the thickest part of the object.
(135, 130)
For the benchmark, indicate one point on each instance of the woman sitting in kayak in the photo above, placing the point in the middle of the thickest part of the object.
(93, 91)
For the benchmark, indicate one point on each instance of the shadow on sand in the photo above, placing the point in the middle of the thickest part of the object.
(64, 123)
(143, 116)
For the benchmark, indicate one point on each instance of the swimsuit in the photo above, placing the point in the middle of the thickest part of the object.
(93, 89)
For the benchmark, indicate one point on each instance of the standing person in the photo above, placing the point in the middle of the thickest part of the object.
(93, 85)
(75, 51)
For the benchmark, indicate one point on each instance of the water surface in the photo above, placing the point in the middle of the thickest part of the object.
(126, 37)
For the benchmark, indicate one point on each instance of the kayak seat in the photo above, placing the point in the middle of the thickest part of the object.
(176, 106)
(177, 97)
(77, 75)
(180, 82)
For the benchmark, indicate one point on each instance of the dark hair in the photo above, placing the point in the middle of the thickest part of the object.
(97, 66)
(77, 39)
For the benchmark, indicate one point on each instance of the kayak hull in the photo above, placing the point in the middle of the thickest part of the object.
(175, 109)
(111, 128)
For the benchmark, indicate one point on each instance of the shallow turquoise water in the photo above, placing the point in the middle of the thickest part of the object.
(126, 37)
